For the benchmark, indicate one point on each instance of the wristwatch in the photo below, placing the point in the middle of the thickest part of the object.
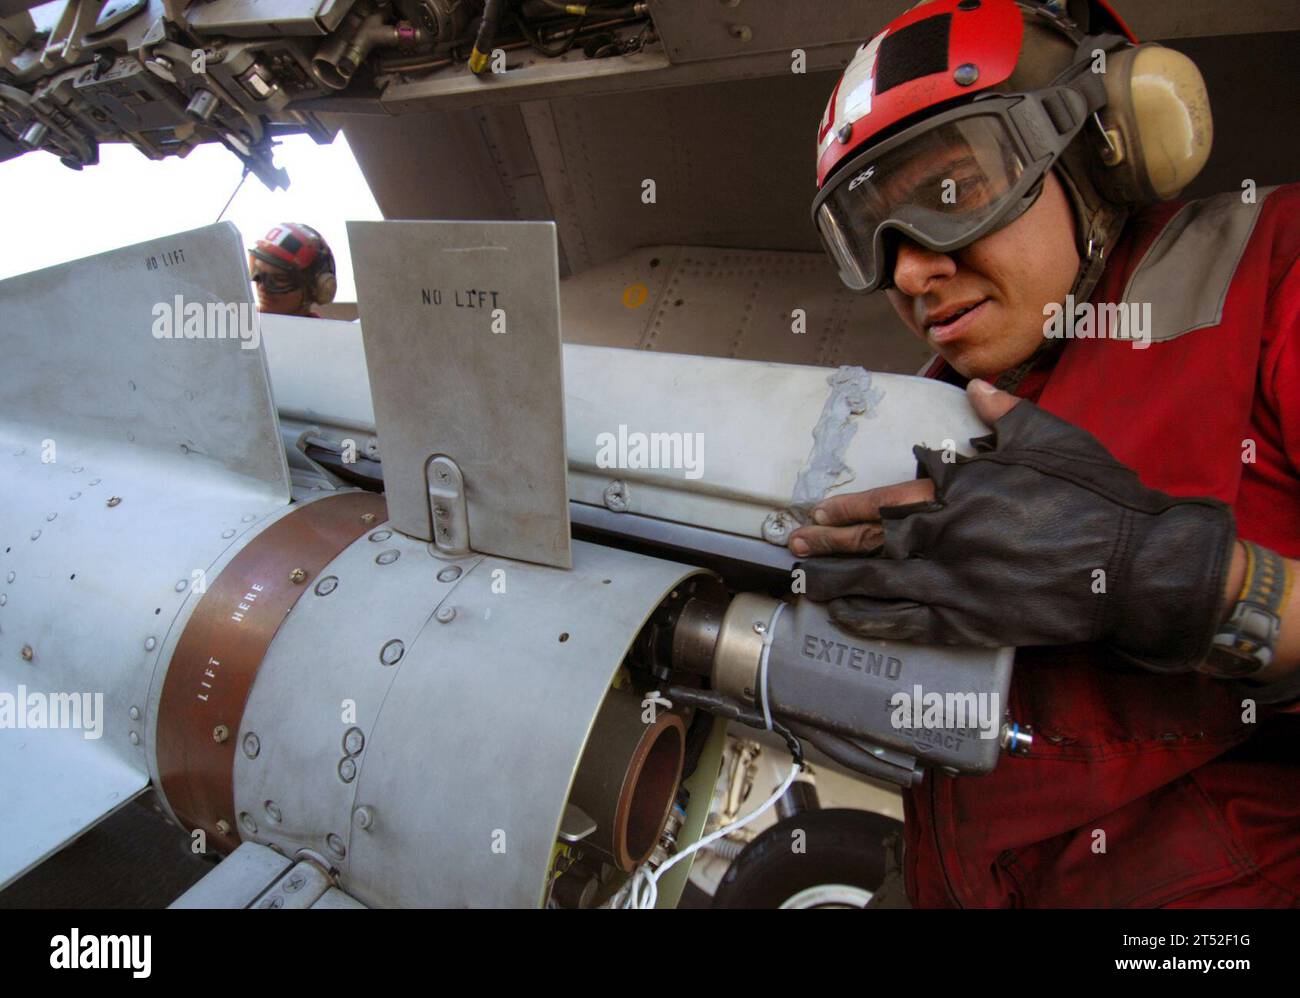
(1245, 643)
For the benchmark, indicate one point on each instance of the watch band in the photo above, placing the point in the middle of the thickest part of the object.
(1244, 644)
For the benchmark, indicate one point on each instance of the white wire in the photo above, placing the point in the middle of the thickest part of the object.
(642, 890)
(762, 665)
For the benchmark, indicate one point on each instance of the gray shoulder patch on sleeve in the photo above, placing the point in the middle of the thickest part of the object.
(1186, 272)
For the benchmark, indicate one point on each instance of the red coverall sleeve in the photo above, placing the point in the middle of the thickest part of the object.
(1280, 375)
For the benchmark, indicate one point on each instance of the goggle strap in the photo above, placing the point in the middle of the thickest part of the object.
(1080, 76)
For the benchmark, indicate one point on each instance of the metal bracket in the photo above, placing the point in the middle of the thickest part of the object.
(576, 824)
(447, 510)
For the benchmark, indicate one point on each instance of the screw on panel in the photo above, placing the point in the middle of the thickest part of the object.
(247, 823)
(274, 901)
(294, 882)
(335, 845)
(182, 585)
(353, 741)
(392, 652)
(10, 576)
(252, 745)
(760, 627)
(27, 653)
(3, 599)
(150, 643)
(223, 826)
(134, 712)
(367, 517)
(297, 576)
(741, 32)
(777, 526)
(50, 516)
(449, 574)
(381, 535)
(327, 585)
(35, 534)
(135, 739)
(347, 769)
(363, 817)
(616, 496)
(272, 810)
(445, 614)
(247, 518)
(387, 557)
(114, 501)
(220, 734)
(75, 495)
(95, 481)
(227, 534)
(966, 74)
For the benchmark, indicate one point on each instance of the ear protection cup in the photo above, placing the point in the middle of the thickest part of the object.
(323, 288)
(324, 284)
(1156, 126)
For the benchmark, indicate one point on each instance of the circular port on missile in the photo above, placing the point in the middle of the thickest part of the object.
(652, 791)
(628, 777)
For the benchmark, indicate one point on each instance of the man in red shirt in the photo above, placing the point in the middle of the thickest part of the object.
(1132, 522)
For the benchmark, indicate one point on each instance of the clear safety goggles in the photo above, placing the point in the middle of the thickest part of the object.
(945, 182)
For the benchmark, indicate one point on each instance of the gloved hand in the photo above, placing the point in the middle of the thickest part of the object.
(1041, 538)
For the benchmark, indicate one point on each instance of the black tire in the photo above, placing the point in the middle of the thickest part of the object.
(841, 846)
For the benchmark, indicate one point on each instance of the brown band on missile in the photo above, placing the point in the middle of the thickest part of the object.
(218, 655)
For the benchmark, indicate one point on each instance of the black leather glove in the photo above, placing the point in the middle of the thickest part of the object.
(1008, 553)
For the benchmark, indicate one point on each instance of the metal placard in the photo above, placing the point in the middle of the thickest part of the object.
(149, 352)
(461, 324)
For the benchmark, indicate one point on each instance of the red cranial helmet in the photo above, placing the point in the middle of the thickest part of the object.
(943, 126)
(302, 259)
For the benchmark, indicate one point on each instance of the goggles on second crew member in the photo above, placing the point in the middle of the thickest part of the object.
(945, 182)
(277, 280)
